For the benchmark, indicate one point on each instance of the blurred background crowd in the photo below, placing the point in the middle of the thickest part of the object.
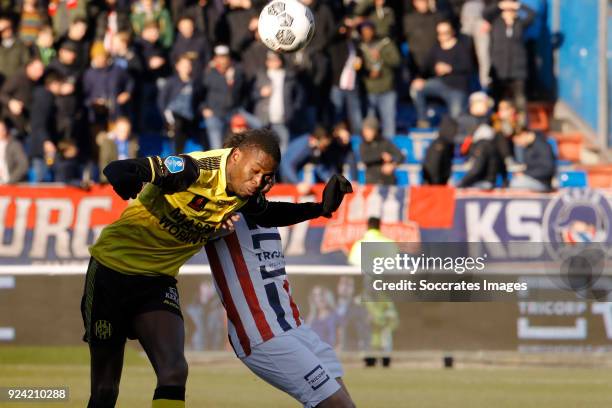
(87, 82)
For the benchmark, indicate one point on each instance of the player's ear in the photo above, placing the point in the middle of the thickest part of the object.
(236, 155)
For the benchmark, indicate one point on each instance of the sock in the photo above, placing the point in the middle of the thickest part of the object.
(169, 396)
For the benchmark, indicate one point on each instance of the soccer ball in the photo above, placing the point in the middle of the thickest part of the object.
(285, 25)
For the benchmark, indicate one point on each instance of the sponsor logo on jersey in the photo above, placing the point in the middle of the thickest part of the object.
(174, 164)
(317, 377)
(198, 203)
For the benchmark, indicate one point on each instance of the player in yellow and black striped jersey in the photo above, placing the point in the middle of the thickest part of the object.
(130, 289)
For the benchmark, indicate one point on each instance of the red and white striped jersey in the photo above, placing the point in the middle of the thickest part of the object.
(248, 268)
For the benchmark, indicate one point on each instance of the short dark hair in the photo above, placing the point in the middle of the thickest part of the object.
(374, 223)
(262, 139)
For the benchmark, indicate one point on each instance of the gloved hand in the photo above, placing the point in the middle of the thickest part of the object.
(125, 183)
(334, 192)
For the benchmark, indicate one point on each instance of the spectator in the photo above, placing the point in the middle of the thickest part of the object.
(64, 12)
(438, 161)
(380, 58)
(345, 92)
(117, 144)
(342, 149)
(506, 122)
(110, 20)
(451, 68)
(13, 160)
(236, 26)
(66, 62)
(13, 52)
(32, 18)
(312, 65)
(189, 40)
(483, 161)
(420, 32)
(237, 124)
(224, 87)
(178, 101)
(508, 50)
(44, 45)
(146, 11)
(125, 55)
(378, 13)
(479, 113)
(309, 149)
(254, 56)
(67, 167)
(16, 95)
(44, 135)
(77, 35)
(206, 15)
(107, 89)
(380, 156)
(475, 26)
(156, 68)
(539, 161)
(153, 54)
(278, 96)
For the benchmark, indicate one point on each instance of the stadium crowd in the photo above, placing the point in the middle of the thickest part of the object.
(87, 82)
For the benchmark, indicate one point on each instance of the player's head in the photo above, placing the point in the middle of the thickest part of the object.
(374, 223)
(252, 162)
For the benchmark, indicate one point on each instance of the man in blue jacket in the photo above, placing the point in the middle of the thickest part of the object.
(539, 160)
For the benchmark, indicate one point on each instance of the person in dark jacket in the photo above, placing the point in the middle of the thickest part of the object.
(277, 96)
(16, 95)
(77, 34)
(508, 50)
(449, 67)
(13, 160)
(438, 161)
(312, 64)
(345, 92)
(225, 94)
(13, 52)
(539, 160)
(234, 28)
(420, 32)
(43, 135)
(380, 156)
(188, 40)
(178, 101)
(483, 160)
(107, 89)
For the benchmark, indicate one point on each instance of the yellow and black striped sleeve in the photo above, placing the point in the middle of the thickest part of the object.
(172, 174)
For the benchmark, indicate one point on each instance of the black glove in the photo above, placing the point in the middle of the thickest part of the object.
(125, 181)
(334, 192)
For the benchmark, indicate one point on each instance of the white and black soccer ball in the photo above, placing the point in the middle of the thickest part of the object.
(286, 25)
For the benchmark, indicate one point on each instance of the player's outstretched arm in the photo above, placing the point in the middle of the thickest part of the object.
(172, 174)
(280, 214)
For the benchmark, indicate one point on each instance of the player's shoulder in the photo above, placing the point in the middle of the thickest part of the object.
(210, 159)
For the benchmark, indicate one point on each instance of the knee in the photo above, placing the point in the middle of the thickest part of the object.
(174, 373)
(103, 397)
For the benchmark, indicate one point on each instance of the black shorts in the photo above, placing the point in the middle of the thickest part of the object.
(112, 299)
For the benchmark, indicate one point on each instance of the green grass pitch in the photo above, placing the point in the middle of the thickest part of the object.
(229, 384)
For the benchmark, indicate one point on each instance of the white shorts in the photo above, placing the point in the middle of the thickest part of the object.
(299, 363)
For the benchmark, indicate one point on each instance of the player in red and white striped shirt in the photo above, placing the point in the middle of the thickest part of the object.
(265, 326)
